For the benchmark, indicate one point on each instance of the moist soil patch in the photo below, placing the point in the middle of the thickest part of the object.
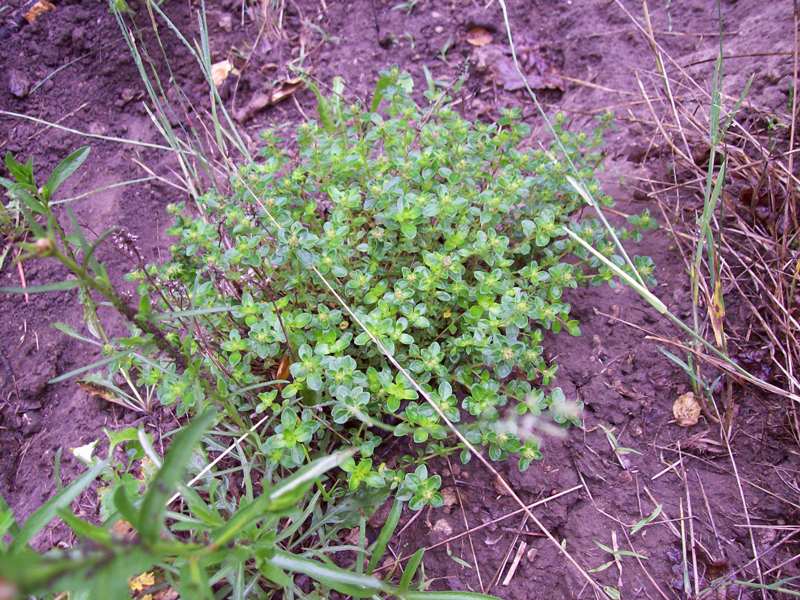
(72, 67)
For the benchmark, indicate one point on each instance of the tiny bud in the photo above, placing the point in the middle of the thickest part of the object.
(44, 247)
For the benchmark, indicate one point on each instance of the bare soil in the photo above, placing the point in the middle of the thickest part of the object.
(594, 52)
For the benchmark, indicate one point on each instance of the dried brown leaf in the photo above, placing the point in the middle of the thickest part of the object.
(38, 9)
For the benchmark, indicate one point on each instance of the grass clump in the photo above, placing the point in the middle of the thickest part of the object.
(443, 237)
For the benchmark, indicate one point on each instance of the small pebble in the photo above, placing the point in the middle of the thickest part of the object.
(18, 83)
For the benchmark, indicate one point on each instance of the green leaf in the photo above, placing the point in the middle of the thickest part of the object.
(611, 592)
(194, 581)
(110, 580)
(384, 81)
(323, 108)
(447, 596)
(411, 568)
(289, 491)
(66, 329)
(64, 170)
(83, 369)
(125, 507)
(21, 172)
(198, 507)
(282, 496)
(8, 524)
(86, 530)
(385, 535)
(345, 582)
(60, 286)
(49, 510)
(151, 514)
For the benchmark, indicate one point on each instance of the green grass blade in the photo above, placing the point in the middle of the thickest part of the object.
(385, 535)
(83, 369)
(66, 329)
(411, 569)
(59, 286)
(288, 492)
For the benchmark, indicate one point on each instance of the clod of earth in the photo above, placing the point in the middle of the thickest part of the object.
(220, 71)
(494, 59)
(479, 36)
(686, 410)
(18, 83)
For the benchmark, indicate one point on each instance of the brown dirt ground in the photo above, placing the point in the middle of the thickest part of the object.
(621, 377)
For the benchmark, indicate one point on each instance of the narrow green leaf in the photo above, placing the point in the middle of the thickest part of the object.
(447, 596)
(83, 369)
(48, 511)
(198, 507)
(282, 496)
(65, 169)
(411, 568)
(384, 81)
(385, 535)
(59, 286)
(323, 108)
(194, 581)
(647, 520)
(194, 312)
(67, 330)
(125, 507)
(346, 582)
(151, 514)
(8, 524)
(86, 530)
(287, 492)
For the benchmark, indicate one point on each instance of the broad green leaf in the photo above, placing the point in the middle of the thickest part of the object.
(151, 514)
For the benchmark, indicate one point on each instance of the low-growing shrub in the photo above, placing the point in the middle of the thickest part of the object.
(444, 237)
